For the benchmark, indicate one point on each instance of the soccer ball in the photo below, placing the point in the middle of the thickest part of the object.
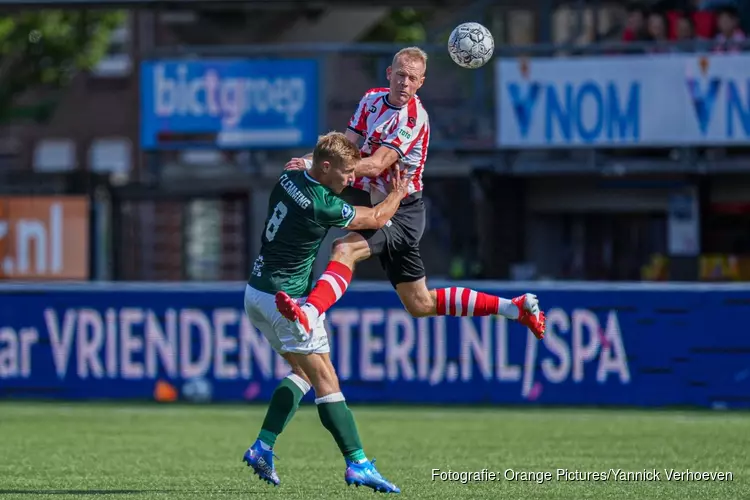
(471, 45)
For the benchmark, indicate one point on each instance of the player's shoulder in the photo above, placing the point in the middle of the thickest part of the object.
(300, 185)
(419, 106)
(300, 181)
(291, 175)
(415, 113)
(375, 93)
(325, 195)
(328, 204)
(321, 194)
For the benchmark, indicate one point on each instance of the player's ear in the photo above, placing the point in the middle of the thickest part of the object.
(388, 72)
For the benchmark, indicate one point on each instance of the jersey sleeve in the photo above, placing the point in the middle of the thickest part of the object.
(409, 127)
(358, 121)
(335, 212)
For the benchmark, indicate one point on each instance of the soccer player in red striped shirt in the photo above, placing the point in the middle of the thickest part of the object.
(396, 131)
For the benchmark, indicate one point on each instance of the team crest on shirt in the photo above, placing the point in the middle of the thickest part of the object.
(346, 211)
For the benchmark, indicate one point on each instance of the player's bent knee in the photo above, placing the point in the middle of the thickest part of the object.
(328, 380)
(339, 247)
(326, 384)
(349, 249)
(301, 374)
(417, 299)
(324, 388)
(320, 372)
(295, 366)
(419, 305)
(419, 308)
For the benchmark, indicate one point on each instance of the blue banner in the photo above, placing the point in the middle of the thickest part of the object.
(229, 103)
(660, 100)
(637, 345)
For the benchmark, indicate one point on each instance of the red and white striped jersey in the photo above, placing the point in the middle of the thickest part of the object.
(405, 130)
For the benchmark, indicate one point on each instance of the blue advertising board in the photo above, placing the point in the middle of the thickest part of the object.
(229, 103)
(654, 100)
(605, 345)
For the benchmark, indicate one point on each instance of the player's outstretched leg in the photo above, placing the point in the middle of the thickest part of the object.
(283, 406)
(458, 301)
(327, 290)
(336, 416)
(331, 285)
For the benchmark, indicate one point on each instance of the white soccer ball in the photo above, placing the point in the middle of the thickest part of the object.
(471, 45)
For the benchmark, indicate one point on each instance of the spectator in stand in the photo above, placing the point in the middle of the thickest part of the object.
(657, 31)
(635, 26)
(684, 28)
(730, 36)
(703, 20)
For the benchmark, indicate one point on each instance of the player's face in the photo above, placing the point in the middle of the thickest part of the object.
(338, 176)
(406, 77)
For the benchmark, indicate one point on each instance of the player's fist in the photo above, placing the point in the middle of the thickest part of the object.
(295, 164)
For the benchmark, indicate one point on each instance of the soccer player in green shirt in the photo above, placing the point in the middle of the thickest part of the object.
(302, 207)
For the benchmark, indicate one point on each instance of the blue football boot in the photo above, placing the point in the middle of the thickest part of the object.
(262, 463)
(365, 474)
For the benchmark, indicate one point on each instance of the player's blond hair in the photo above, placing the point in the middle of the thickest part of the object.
(335, 148)
(411, 53)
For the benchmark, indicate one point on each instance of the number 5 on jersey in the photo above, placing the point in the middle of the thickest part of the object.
(272, 227)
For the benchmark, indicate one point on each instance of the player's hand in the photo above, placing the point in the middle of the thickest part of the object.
(400, 182)
(295, 164)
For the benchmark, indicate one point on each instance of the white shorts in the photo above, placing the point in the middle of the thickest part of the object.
(261, 309)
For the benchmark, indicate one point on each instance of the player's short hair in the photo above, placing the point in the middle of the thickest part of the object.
(335, 148)
(412, 53)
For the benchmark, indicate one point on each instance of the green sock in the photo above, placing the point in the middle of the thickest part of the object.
(339, 420)
(284, 404)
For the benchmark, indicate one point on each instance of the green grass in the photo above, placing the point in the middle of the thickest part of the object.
(86, 451)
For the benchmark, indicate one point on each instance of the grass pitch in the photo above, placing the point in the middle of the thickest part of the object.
(71, 451)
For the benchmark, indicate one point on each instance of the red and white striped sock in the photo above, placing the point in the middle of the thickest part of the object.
(458, 301)
(330, 287)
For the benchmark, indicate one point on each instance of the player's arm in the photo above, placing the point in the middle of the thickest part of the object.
(374, 165)
(377, 216)
(411, 126)
(353, 136)
(337, 213)
(356, 129)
